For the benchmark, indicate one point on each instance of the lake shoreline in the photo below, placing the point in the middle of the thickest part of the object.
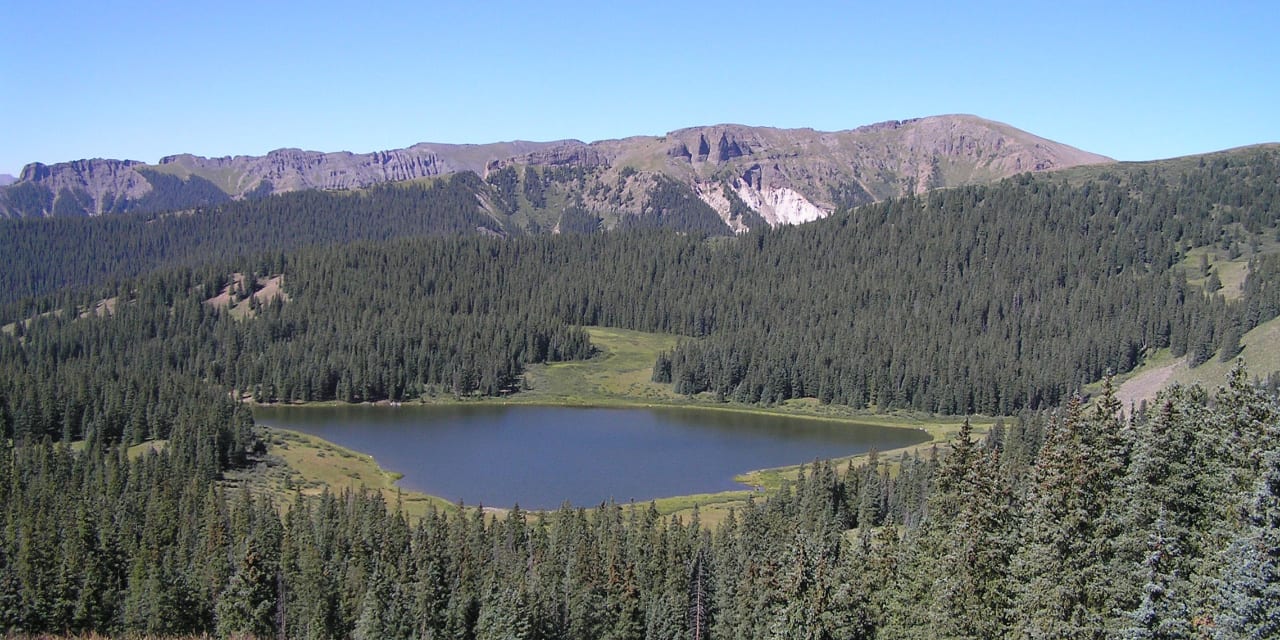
(755, 482)
(619, 377)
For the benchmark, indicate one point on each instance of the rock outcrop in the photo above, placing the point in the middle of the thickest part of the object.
(94, 185)
(786, 175)
(795, 175)
(295, 169)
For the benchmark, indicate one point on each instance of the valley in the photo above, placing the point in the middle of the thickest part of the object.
(578, 280)
(639, 321)
(618, 377)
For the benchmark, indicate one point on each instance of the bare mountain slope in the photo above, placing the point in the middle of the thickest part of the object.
(295, 169)
(745, 174)
(797, 175)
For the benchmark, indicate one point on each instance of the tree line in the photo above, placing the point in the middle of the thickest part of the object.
(48, 254)
(1063, 523)
(979, 299)
(1071, 523)
(185, 223)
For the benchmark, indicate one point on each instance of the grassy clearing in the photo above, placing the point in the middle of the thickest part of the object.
(1231, 272)
(300, 463)
(1160, 369)
(712, 508)
(1261, 355)
(618, 375)
(150, 446)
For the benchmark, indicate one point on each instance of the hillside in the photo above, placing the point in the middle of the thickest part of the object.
(748, 176)
(985, 298)
(131, 506)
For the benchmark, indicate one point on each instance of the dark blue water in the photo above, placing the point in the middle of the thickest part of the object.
(540, 457)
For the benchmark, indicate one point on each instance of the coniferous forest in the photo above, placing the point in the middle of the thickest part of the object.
(1065, 520)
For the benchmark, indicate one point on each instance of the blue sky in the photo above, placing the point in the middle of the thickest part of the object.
(140, 80)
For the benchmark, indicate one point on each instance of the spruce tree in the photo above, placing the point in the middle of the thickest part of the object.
(1179, 491)
(953, 581)
(1249, 592)
(1163, 613)
(247, 606)
(1066, 531)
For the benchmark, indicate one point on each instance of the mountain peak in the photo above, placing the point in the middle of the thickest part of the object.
(785, 175)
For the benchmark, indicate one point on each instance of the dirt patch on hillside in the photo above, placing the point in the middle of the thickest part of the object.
(270, 289)
(223, 299)
(264, 290)
(1145, 385)
(105, 307)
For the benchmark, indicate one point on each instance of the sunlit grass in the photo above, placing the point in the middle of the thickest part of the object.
(314, 464)
(618, 375)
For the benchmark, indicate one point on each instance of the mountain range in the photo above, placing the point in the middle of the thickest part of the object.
(747, 175)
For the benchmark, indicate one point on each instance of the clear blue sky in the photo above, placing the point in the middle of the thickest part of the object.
(1135, 81)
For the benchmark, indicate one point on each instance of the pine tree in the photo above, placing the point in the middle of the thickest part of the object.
(247, 605)
(700, 596)
(1249, 593)
(953, 580)
(818, 597)
(1163, 613)
(374, 620)
(1065, 531)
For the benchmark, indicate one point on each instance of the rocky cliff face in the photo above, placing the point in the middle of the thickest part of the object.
(90, 186)
(786, 176)
(790, 176)
(294, 169)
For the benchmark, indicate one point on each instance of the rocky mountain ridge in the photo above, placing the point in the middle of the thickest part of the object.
(783, 176)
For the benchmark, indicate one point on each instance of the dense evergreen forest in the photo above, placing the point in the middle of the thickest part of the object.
(981, 299)
(1004, 299)
(978, 299)
(1068, 524)
(48, 254)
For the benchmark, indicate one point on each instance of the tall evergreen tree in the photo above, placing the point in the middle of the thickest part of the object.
(1066, 534)
(1249, 592)
(953, 582)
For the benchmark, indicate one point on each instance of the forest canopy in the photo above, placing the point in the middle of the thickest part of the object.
(1063, 521)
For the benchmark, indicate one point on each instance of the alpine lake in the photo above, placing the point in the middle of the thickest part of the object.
(541, 457)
